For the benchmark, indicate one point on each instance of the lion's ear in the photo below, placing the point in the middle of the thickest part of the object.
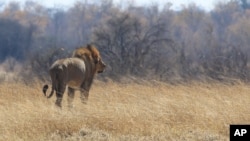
(96, 58)
(95, 55)
(94, 52)
(89, 47)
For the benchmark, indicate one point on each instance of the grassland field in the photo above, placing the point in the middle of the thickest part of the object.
(146, 111)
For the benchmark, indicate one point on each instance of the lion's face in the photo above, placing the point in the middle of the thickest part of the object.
(100, 65)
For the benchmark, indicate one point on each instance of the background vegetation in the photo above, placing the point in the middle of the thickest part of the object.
(149, 42)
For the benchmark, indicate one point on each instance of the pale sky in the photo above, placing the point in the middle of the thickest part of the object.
(177, 4)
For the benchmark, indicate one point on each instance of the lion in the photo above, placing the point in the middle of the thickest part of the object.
(76, 73)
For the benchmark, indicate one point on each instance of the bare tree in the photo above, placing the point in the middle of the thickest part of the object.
(127, 43)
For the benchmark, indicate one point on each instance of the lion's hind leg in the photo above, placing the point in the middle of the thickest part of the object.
(59, 94)
(71, 95)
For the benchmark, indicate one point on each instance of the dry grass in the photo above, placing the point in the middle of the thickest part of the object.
(152, 111)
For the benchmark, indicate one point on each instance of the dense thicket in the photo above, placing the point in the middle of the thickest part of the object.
(148, 42)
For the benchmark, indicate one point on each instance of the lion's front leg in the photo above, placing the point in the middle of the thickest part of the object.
(71, 95)
(84, 96)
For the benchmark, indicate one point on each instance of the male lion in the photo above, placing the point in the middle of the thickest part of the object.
(77, 73)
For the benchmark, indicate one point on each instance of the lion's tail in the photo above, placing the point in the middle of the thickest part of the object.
(45, 88)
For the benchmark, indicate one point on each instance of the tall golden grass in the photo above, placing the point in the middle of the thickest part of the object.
(148, 111)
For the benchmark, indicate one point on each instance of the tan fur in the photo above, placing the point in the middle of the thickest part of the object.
(77, 73)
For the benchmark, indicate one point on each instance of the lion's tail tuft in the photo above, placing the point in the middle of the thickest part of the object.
(45, 88)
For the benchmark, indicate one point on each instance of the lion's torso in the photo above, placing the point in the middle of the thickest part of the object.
(72, 71)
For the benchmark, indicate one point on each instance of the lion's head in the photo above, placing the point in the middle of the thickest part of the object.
(91, 54)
